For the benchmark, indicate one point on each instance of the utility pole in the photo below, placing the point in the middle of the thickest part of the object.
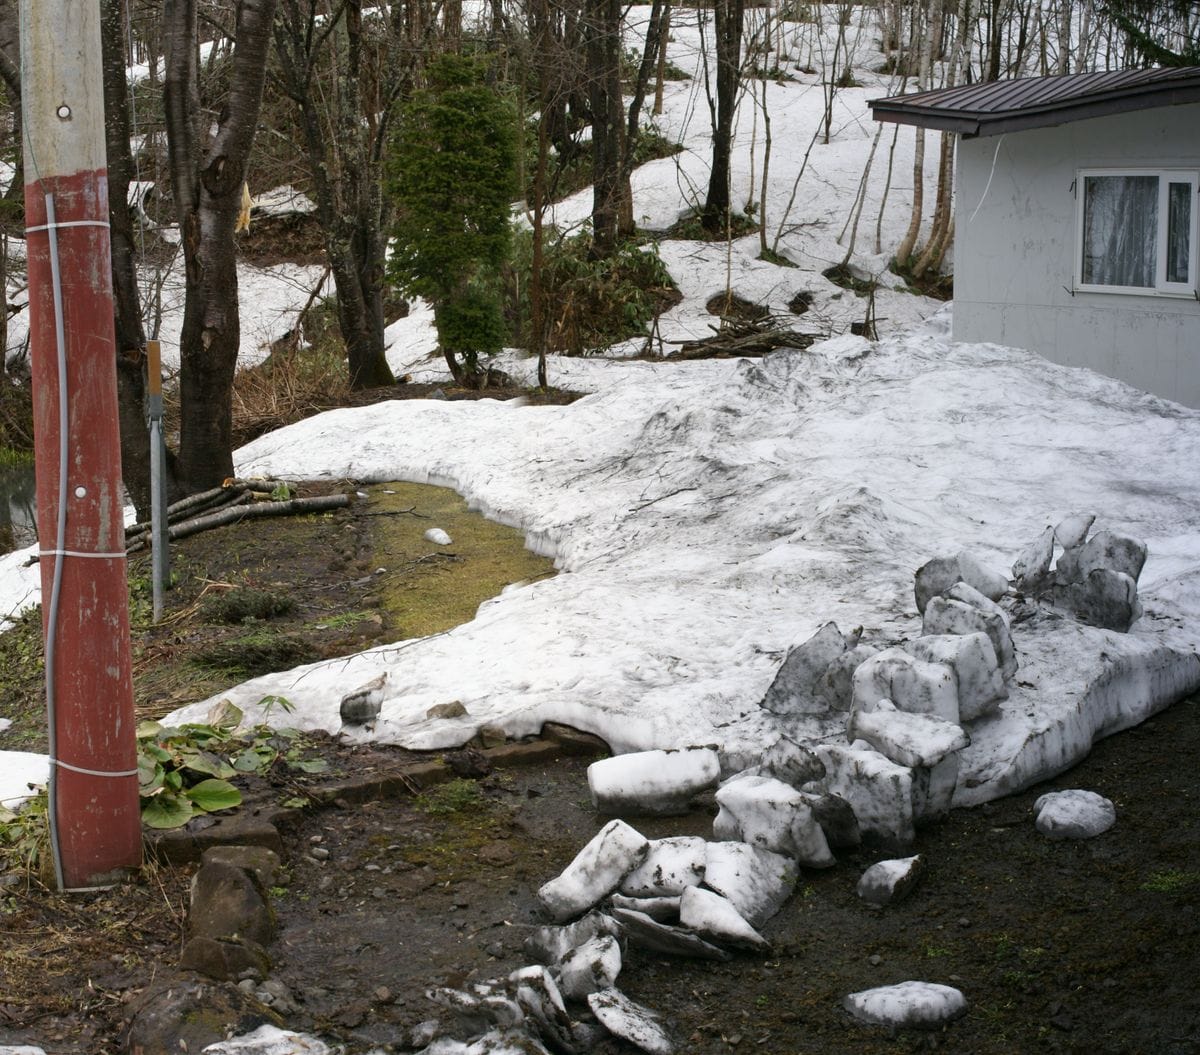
(95, 824)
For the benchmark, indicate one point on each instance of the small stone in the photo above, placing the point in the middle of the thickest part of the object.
(495, 950)
(319, 853)
(382, 994)
(874, 959)
(453, 709)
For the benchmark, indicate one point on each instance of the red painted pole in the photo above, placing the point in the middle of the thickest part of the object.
(95, 820)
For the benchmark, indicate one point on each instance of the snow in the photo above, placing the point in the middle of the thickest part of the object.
(907, 1004)
(19, 770)
(1074, 814)
(652, 781)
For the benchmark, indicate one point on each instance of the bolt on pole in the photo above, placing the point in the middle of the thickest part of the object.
(94, 814)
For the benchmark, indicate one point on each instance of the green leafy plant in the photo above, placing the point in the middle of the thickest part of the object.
(456, 796)
(25, 838)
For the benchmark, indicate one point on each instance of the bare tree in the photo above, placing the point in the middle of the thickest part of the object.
(729, 16)
(208, 155)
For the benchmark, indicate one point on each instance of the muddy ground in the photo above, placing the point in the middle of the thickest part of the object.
(1060, 947)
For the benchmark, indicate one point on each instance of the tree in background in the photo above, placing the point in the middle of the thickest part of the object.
(209, 154)
(452, 180)
(1159, 32)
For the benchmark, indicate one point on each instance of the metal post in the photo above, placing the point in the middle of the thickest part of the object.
(95, 823)
(161, 558)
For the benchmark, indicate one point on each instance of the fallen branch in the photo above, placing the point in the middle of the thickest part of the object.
(318, 504)
(758, 342)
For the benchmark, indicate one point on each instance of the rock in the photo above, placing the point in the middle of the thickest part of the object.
(1032, 568)
(269, 1040)
(491, 734)
(652, 782)
(1106, 599)
(908, 739)
(550, 944)
(836, 685)
(629, 1021)
(1071, 531)
(836, 818)
(910, 684)
(590, 967)
(183, 1015)
(908, 1005)
(670, 865)
(940, 574)
(453, 709)
(438, 537)
(1074, 814)
(225, 959)
(646, 933)
(264, 863)
(887, 882)
(228, 902)
(756, 881)
(662, 909)
(977, 675)
(714, 918)
(614, 852)
(364, 703)
(966, 611)
(772, 815)
(1112, 551)
(794, 689)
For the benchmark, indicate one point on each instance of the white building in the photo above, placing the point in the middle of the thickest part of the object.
(1076, 218)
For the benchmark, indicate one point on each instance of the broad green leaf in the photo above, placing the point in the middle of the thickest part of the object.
(210, 795)
(225, 715)
(150, 775)
(159, 754)
(206, 763)
(173, 780)
(166, 811)
(310, 765)
(249, 761)
(148, 730)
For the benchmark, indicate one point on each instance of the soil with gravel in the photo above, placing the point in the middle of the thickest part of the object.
(1089, 947)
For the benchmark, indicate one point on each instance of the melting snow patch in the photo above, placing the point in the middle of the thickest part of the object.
(670, 866)
(20, 773)
(629, 1021)
(756, 881)
(659, 782)
(712, 916)
(887, 882)
(268, 1040)
(596, 871)
(924, 1005)
(438, 537)
(1073, 814)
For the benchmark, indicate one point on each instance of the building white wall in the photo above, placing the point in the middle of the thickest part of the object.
(1015, 251)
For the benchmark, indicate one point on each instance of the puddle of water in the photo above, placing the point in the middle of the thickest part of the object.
(18, 514)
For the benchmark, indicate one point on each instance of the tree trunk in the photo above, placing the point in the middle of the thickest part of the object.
(728, 28)
(602, 31)
(207, 173)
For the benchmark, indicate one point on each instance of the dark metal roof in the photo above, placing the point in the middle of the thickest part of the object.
(1037, 102)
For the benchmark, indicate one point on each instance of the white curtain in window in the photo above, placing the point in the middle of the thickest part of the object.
(1179, 229)
(1120, 230)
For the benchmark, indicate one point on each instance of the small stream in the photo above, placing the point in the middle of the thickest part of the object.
(18, 522)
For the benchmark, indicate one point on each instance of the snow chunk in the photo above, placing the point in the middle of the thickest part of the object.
(629, 1021)
(879, 791)
(785, 760)
(911, 684)
(19, 770)
(660, 909)
(966, 611)
(597, 869)
(977, 675)
(794, 690)
(714, 917)
(438, 537)
(908, 739)
(5, 723)
(1033, 565)
(266, 1040)
(887, 882)
(755, 880)
(551, 944)
(657, 782)
(646, 933)
(766, 812)
(1075, 814)
(908, 1004)
(670, 866)
(594, 965)
(1112, 551)
(938, 575)
(1071, 531)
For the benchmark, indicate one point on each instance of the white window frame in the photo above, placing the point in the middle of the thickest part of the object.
(1161, 287)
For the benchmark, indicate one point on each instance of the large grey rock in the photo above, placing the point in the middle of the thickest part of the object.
(909, 683)
(1074, 814)
(907, 1005)
(652, 782)
(179, 1014)
(229, 902)
(646, 933)
(714, 918)
(757, 881)
(597, 870)
(976, 669)
(794, 689)
(225, 959)
(887, 882)
(772, 815)
(629, 1021)
(670, 865)
(263, 862)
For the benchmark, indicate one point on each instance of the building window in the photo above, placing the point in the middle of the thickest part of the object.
(1137, 231)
